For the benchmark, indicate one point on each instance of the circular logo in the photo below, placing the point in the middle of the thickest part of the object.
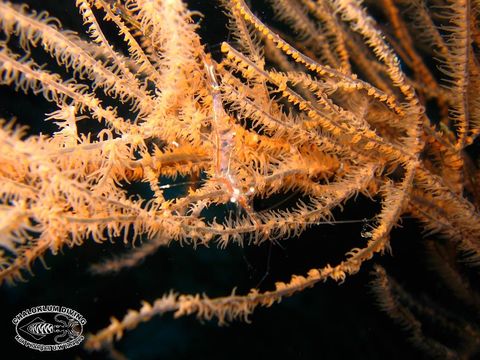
(49, 327)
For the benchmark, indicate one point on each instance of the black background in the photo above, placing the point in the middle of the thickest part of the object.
(329, 321)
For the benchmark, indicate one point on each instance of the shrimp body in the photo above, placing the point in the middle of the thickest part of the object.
(224, 138)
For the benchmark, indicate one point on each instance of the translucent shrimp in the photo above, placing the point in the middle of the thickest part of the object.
(224, 138)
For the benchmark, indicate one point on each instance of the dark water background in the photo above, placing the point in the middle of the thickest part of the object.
(329, 321)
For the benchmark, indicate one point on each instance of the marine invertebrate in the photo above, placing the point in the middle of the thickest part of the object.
(332, 108)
